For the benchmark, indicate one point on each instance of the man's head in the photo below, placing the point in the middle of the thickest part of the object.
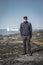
(25, 18)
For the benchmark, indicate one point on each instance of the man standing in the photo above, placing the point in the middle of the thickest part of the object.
(26, 33)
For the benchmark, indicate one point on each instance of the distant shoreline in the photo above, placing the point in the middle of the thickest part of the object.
(5, 32)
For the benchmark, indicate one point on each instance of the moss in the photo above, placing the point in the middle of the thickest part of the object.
(38, 42)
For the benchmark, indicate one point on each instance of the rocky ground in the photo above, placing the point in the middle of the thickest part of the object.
(11, 54)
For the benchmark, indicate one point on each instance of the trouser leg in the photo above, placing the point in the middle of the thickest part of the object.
(24, 44)
(29, 45)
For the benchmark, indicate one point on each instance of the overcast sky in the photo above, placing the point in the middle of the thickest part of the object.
(12, 12)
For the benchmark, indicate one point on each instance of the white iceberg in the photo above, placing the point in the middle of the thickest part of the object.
(13, 29)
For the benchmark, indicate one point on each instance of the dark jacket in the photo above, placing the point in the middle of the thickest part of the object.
(26, 29)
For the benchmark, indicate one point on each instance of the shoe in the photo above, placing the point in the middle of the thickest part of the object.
(30, 53)
(24, 53)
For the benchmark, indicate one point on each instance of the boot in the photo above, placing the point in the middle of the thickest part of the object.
(30, 53)
(24, 53)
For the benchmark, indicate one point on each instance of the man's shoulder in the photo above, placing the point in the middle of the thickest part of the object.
(21, 23)
(29, 23)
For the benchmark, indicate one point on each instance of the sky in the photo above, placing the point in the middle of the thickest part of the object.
(13, 11)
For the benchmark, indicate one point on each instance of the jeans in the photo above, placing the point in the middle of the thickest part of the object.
(26, 39)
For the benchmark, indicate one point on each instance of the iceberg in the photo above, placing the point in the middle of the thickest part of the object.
(13, 29)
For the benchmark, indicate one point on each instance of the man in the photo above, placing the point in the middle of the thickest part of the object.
(26, 33)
